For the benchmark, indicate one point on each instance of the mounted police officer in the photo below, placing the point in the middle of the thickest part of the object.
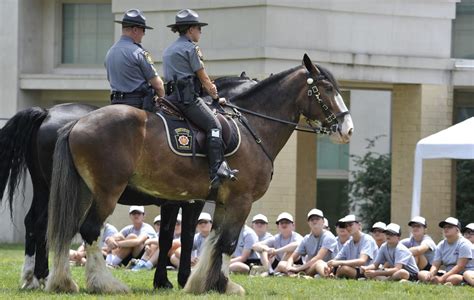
(185, 75)
(130, 70)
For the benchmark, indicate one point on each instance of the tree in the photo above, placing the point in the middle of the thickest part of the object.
(370, 187)
(465, 191)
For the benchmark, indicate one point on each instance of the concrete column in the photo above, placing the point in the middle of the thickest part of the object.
(419, 111)
(306, 171)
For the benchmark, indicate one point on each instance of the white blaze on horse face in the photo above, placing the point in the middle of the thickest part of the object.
(347, 127)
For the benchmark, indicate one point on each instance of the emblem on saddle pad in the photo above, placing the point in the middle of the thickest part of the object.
(184, 141)
(183, 137)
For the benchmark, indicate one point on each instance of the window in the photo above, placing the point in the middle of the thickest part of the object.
(463, 30)
(88, 32)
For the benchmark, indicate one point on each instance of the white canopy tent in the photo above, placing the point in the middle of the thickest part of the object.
(456, 142)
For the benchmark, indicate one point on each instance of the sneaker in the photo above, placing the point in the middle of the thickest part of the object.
(132, 263)
(257, 270)
(140, 265)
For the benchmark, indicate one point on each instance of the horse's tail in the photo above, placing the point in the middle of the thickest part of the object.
(69, 198)
(15, 140)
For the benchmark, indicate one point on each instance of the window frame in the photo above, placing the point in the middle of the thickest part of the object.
(59, 66)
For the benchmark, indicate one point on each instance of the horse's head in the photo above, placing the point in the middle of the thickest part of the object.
(322, 102)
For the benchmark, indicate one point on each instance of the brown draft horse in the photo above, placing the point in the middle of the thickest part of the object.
(119, 146)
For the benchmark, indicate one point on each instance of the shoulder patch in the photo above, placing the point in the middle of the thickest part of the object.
(148, 57)
(199, 53)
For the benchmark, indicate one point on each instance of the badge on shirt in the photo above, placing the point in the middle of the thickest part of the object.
(148, 57)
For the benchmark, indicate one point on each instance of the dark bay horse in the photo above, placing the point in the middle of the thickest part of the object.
(27, 143)
(97, 157)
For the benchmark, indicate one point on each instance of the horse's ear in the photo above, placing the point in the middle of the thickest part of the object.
(309, 65)
(243, 75)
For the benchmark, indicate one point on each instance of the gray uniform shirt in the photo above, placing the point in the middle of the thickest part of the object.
(311, 244)
(198, 244)
(396, 255)
(265, 237)
(448, 254)
(277, 242)
(351, 250)
(339, 245)
(427, 240)
(247, 238)
(146, 229)
(109, 230)
(129, 67)
(182, 58)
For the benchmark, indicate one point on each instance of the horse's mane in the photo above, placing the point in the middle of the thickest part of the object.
(264, 83)
(279, 76)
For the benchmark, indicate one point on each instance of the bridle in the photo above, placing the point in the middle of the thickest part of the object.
(331, 118)
(312, 92)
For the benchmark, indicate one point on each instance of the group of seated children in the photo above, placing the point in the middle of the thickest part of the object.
(352, 254)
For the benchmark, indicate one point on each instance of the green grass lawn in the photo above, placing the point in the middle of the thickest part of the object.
(11, 260)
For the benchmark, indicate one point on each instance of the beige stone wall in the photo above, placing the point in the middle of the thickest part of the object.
(419, 111)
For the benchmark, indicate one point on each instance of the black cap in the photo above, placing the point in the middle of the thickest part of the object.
(134, 17)
(187, 17)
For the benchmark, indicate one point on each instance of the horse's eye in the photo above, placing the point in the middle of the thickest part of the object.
(329, 88)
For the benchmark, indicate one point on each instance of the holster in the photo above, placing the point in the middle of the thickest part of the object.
(188, 89)
(148, 100)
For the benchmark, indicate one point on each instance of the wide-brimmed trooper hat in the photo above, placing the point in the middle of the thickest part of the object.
(134, 17)
(187, 17)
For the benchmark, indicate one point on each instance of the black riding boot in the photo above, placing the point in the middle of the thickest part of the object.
(218, 168)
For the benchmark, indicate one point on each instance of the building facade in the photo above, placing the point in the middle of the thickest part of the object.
(406, 68)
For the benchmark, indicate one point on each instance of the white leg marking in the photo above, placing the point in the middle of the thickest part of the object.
(99, 279)
(28, 278)
(197, 279)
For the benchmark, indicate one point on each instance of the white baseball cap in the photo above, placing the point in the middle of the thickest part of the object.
(450, 221)
(315, 212)
(285, 215)
(204, 216)
(379, 225)
(136, 208)
(393, 228)
(260, 217)
(417, 220)
(157, 219)
(349, 219)
(469, 226)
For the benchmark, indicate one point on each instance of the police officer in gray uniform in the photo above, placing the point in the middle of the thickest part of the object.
(130, 70)
(184, 73)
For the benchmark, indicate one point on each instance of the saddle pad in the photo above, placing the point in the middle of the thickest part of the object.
(180, 137)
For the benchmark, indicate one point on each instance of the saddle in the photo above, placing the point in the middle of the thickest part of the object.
(186, 139)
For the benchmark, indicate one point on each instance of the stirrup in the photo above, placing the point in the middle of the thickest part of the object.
(225, 172)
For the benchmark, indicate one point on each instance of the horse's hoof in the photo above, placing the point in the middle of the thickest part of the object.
(65, 286)
(163, 285)
(31, 283)
(234, 289)
(109, 286)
